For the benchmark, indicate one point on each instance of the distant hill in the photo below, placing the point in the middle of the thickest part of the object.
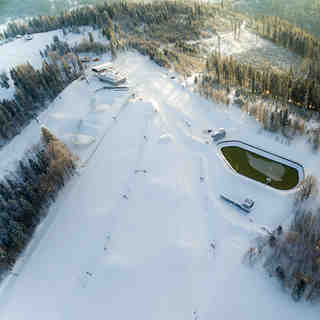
(304, 13)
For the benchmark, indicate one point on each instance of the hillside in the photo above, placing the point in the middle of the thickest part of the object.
(304, 13)
(152, 250)
(140, 230)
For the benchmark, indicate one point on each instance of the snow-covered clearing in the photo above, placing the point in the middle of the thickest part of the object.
(250, 48)
(21, 51)
(138, 234)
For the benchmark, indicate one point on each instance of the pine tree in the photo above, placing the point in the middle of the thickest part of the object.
(4, 80)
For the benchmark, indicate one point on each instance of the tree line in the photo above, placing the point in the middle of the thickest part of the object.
(286, 87)
(155, 12)
(27, 192)
(292, 254)
(288, 35)
(303, 13)
(255, 94)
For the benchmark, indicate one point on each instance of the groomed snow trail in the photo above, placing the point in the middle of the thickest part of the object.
(141, 233)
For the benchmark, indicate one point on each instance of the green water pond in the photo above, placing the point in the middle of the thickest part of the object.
(265, 170)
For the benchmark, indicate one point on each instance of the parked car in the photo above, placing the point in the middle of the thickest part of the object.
(28, 37)
(102, 67)
(218, 134)
(85, 59)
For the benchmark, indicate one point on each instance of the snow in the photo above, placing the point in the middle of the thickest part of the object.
(250, 48)
(132, 235)
(82, 139)
(166, 138)
(70, 114)
(21, 51)
(7, 93)
(101, 108)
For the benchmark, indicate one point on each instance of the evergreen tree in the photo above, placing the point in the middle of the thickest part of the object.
(4, 80)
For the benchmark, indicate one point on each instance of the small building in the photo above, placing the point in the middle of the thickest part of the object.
(102, 68)
(245, 205)
(114, 78)
(85, 59)
(218, 134)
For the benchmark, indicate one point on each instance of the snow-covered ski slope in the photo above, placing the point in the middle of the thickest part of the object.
(138, 234)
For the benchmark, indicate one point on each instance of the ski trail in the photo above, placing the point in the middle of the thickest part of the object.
(182, 140)
(121, 205)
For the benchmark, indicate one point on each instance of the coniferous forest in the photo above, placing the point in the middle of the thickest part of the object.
(291, 255)
(35, 89)
(27, 192)
(303, 13)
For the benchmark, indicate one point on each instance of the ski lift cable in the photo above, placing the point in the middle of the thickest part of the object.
(108, 129)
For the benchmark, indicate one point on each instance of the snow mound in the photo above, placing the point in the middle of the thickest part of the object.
(166, 138)
(61, 116)
(101, 108)
(82, 139)
(90, 126)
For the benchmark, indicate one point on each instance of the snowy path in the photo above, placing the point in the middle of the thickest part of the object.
(141, 233)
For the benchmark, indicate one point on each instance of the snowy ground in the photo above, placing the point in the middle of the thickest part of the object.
(133, 235)
(21, 51)
(250, 48)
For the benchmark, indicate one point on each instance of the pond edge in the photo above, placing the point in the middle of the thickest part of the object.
(262, 152)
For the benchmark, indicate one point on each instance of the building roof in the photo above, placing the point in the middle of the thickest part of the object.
(102, 67)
